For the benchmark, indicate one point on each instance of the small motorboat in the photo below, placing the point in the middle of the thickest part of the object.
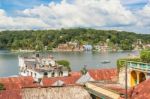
(105, 61)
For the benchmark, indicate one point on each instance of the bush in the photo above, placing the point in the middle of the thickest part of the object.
(1, 87)
(145, 56)
(65, 63)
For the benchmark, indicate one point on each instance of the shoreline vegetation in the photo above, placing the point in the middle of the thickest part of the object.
(77, 39)
(32, 51)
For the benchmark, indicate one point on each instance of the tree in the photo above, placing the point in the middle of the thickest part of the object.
(145, 56)
(126, 45)
(31, 39)
(84, 70)
(39, 45)
(65, 63)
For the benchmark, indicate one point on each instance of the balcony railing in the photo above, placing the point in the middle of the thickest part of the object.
(139, 65)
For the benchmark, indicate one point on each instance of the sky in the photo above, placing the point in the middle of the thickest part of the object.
(128, 15)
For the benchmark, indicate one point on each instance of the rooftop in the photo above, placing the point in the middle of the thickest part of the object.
(108, 89)
(141, 91)
(11, 83)
(75, 92)
(15, 85)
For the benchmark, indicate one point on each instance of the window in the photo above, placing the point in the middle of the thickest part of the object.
(60, 73)
(35, 74)
(45, 74)
(53, 74)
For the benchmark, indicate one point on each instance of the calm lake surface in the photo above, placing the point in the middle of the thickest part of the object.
(9, 60)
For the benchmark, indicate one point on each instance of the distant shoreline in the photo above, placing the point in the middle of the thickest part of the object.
(31, 51)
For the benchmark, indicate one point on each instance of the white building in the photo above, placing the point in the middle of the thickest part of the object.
(39, 67)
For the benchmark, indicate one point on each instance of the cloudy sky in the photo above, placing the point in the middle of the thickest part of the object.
(129, 15)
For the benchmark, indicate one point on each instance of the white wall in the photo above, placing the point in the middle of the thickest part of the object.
(121, 78)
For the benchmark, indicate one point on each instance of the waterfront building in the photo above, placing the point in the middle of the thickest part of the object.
(39, 67)
(69, 46)
(87, 47)
(146, 46)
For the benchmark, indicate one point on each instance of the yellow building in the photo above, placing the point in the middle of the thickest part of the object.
(138, 72)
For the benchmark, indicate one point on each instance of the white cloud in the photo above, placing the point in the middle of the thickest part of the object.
(144, 16)
(91, 13)
(12, 23)
(78, 13)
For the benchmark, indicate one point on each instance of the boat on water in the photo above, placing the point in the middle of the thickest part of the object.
(105, 61)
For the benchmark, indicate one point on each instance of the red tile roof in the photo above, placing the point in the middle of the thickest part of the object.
(142, 91)
(17, 82)
(96, 74)
(10, 94)
(103, 74)
(13, 85)
(75, 73)
(67, 80)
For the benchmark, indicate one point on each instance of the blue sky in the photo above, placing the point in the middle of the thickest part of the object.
(131, 15)
(10, 6)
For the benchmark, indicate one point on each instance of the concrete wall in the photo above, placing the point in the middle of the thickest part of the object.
(121, 78)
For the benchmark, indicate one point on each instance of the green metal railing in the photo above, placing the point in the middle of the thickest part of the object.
(139, 65)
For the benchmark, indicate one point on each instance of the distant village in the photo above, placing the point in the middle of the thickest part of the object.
(102, 47)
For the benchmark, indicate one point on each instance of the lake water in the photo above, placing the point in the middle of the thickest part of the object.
(9, 60)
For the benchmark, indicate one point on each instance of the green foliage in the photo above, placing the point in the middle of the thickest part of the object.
(145, 56)
(37, 40)
(84, 70)
(65, 63)
(1, 87)
(126, 45)
(122, 62)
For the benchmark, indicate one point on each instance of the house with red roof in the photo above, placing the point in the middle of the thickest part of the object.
(100, 83)
(15, 85)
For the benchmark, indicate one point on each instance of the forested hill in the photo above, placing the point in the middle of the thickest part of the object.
(38, 39)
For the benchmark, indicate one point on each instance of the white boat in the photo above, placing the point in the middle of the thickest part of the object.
(105, 61)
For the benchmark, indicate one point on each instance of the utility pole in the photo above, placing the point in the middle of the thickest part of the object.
(126, 80)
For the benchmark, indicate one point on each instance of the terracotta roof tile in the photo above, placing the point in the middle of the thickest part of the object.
(17, 82)
(75, 73)
(66, 80)
(10, 94)
(103, 74)
(13, 85)
(142, 91)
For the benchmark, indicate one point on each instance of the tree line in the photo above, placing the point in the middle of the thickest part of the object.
(38, 39)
